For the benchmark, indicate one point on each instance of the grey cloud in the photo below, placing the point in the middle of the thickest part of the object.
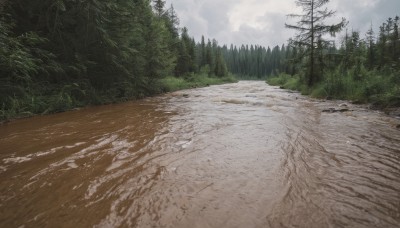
(272, 34)
(204, 17)
(360, 17)
(218, 19)
(210, 18)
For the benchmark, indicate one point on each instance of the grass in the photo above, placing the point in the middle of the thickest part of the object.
(171, 84)
(381, 89)
(250, 78)
(286, 81)
(46, 99)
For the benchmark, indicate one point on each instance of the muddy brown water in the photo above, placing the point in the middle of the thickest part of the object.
(235, 155)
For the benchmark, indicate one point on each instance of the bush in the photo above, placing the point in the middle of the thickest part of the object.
(380, 88)
(279, 80)
(170, 84)
(287, 82)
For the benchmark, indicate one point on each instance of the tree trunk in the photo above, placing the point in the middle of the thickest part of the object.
(311, 77)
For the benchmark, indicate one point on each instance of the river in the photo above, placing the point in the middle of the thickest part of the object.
(234, 155)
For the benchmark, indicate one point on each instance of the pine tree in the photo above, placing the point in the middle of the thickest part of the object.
(220, 69)
(209, 56)
(382, 46)
(172, 22)
(311, 28)
(186, 55)
(159, 6)
(202, 52)
(395, 43)
(371, 55)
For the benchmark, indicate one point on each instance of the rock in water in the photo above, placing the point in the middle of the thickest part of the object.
(333, 110)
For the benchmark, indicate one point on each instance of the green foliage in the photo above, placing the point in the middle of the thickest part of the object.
(311, 29)
(170, 84)
(382, 90)
(365, 71)
(174, 83)
(220, 69)
(211, 58)
(57, 55)
(279, 80)
(286, 81)
(258, 63)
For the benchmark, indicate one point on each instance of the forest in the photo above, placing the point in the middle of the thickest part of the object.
(57, 55)
(364, 68)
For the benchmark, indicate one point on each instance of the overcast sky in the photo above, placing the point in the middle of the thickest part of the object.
(262, 21)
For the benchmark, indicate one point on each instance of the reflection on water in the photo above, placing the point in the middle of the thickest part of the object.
(237, 155)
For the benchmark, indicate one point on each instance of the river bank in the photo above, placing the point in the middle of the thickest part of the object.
(76, 96)
(377, 92)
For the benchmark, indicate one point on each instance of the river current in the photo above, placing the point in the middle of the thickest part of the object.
(234, 155)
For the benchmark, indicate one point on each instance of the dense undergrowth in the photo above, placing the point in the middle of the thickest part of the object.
(170, 84)
(60, 55)
(380, 88)
(53, 100)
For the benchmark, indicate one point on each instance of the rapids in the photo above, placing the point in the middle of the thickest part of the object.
(234, 155)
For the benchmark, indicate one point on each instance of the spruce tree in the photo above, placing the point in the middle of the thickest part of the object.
(220, 69)
(311, 28)
(395, 43)
(172, 22)
(202, 52)
(371, 55)
(159, 7)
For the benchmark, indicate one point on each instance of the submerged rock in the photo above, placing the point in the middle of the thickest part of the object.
(357, 102)
(392, 111)
(333, 110)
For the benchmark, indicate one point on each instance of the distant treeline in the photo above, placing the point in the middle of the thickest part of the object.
(257, 61)
(59, 54)
(361, 67)
(356, 52)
